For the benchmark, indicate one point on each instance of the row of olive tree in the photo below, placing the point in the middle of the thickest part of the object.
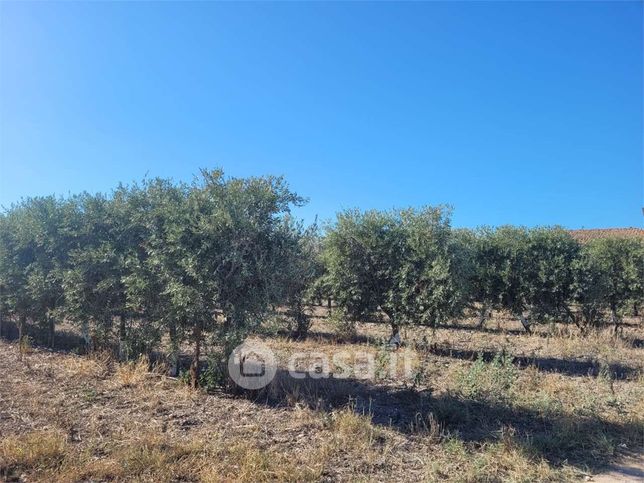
(208, 260)
(405, 264)
(544, 274)
(188, 261)
(414, 268)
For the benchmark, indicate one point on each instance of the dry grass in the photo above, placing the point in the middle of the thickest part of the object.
(245, 462)
(95, 366)
(555, 408)
(500, 461)
(152, 457)
(35, 451)
(132, 374)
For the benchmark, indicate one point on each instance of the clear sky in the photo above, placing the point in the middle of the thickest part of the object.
(512, 112)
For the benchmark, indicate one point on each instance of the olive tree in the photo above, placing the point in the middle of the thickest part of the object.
(619, 263)
(298, 268)
(34, 240)
(537, 272)
(93, 281)
(15, 259)
(213, 254)
(155, 210)
(488, 267)
(405, 264)
(433, 282)
(548, 285)
(590, 285)
(362, 256)
(47, 229)
(139, 211)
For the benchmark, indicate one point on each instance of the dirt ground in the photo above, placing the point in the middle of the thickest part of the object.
(479, 404)
(628, 469)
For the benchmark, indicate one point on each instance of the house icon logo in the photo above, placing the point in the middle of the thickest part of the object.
(252, 365)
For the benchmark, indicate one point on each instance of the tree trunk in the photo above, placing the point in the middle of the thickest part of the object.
(21, 327)
(579, 322)
(395, 340)
(174, 350)
(483, 316)
(86, 337)
(302, 329)
(21, 331)
(575, 319)
(51, 325)
(123, 352)
(194, 367)
(0, 324)
(328, 304)
(636, 311)
(525, 323)
(615, 317)
(302, 322)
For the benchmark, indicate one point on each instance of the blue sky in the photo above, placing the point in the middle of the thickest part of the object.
(524, 113)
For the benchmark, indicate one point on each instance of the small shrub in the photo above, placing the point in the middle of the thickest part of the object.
(488, 380)
(184, 377)
(346, 426)
(383, 361)
(454, 446)
(429, 426)
(214, 375)
(546, 404)
(273, 324)
(89, 394)
(343, 325)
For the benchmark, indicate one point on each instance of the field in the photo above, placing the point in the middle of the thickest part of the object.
(485, 403)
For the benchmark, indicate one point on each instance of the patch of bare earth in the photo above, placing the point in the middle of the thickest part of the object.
(628, 469)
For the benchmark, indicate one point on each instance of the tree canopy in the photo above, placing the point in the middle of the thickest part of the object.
(207, 261)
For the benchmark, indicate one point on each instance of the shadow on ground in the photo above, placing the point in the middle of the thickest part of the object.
(568, 367)
(64, 341)
(586, 442)
(564, 366)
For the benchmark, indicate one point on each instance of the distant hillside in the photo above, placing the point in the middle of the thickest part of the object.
(591, 234)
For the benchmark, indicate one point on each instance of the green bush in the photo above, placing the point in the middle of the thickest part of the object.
(492, 380)
(343, 325)
(405, 264)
